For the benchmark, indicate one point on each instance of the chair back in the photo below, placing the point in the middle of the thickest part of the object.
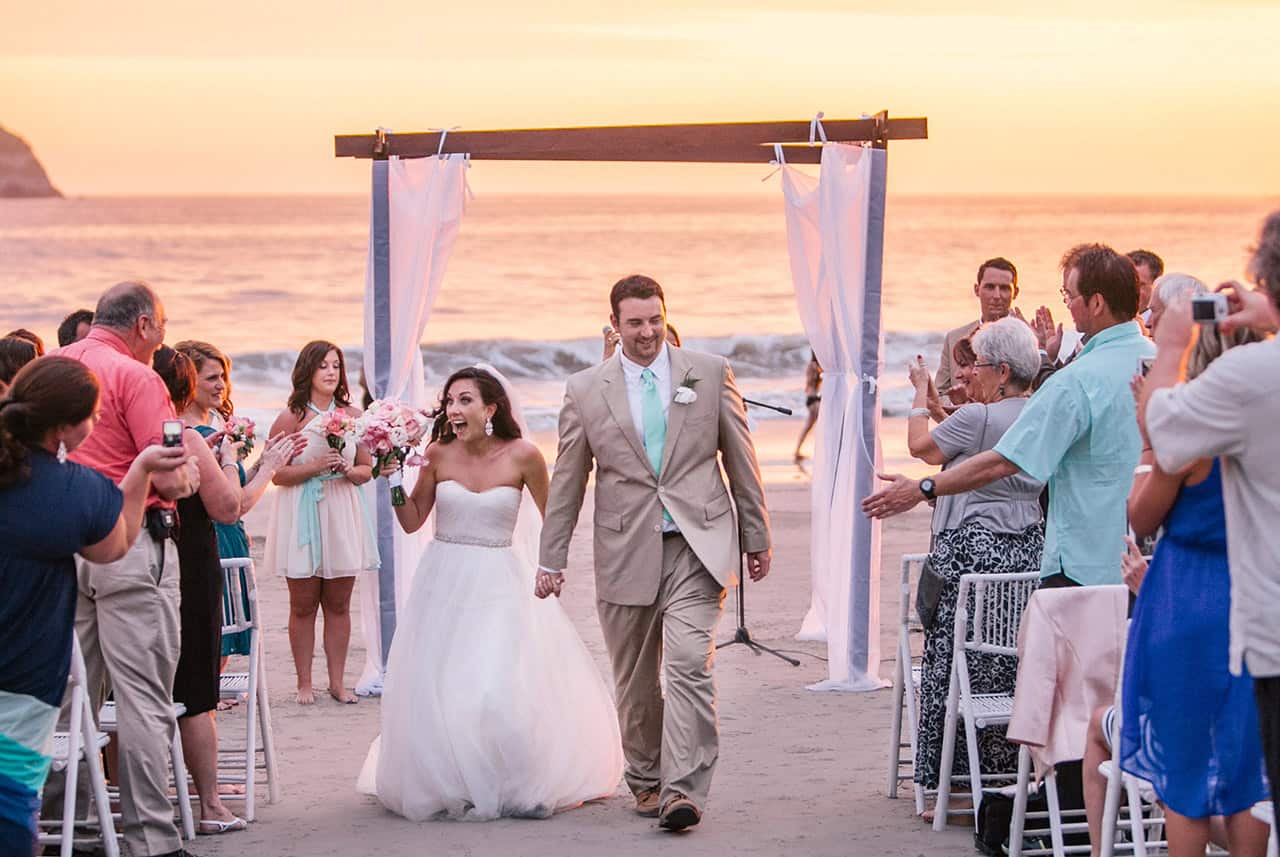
(904, 587)
(994, 603)
(239, 596)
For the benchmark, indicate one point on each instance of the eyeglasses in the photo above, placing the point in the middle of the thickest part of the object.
(987, 365)
(1067, 297)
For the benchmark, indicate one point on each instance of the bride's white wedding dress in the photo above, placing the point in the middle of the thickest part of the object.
(492, 705)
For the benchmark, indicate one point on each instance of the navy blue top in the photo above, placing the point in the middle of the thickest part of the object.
(44, 520)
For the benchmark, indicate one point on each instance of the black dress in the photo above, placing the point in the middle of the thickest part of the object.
(195, 684)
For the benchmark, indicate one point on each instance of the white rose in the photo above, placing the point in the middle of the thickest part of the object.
(685, 396)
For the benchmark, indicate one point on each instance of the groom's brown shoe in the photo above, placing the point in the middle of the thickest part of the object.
(647, 803)
(679, 813)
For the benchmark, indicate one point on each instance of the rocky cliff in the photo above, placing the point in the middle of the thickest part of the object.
(20, 173)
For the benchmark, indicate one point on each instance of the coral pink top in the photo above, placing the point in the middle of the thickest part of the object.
(134, 403)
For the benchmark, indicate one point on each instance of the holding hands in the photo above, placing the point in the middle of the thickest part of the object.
(548, 583)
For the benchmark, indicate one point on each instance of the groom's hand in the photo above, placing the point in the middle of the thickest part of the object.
(548, 583)
(758, 564)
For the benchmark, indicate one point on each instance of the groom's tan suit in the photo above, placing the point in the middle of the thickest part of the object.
(660, 584)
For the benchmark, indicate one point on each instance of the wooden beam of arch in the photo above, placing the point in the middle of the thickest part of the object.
(729, 142)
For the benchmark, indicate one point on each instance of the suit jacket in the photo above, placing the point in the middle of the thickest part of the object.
(945, 379)
(596, 426)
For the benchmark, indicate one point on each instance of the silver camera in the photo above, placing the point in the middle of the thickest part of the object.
(1209, 309)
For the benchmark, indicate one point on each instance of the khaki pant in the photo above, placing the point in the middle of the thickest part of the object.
(673, 743)
(127, 622)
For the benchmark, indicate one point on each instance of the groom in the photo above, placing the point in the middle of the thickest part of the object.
(667, 544)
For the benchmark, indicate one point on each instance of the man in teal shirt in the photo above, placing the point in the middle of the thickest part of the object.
(1078, 432)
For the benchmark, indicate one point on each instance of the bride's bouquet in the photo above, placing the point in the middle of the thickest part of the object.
(391, 430)
(241, 430)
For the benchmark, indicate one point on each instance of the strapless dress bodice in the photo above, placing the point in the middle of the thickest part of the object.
(483, 518)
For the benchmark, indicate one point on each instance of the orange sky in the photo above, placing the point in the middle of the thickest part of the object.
(1150, 96)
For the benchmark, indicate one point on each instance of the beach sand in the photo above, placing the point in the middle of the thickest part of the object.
(799, 772)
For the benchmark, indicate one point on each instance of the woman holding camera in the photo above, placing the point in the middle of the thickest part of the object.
(50, 511)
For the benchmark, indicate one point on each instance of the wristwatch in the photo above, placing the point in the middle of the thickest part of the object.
(926, 488)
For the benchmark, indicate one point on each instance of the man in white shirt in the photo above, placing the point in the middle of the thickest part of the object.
(1232, 410)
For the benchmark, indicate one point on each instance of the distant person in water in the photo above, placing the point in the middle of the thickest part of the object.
(611, 340)
(812, 396)
(996, 288)
(75, 327)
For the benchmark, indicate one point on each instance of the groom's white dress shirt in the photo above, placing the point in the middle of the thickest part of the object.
(631, 372)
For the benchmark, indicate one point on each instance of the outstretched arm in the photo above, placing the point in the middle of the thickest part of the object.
(738, 454)
(903, 494)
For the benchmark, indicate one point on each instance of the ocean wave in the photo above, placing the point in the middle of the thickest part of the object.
(769, 367)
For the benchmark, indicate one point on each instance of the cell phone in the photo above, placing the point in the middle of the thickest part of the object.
(1145, 364)
(171, 433)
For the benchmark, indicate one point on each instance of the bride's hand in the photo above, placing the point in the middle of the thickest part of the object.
(548, 584)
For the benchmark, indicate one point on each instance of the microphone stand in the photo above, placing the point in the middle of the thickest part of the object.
(740, 633)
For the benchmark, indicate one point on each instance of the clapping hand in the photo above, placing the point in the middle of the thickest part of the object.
(280, 450)
(1133, 565)
(228, 450)
(1047, 333)
(919, 373)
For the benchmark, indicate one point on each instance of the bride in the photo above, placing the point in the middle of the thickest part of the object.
(492, 705)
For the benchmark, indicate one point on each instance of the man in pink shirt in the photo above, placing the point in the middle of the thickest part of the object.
(127, 614)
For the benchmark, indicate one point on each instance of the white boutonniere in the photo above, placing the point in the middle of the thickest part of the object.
(684, 393)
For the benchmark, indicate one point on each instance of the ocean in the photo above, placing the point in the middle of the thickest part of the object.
(527, 286)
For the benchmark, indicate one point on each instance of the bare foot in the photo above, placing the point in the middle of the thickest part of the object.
(306, 696)
(344, 696)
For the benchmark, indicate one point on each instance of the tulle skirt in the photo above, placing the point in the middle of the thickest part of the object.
(492, 705)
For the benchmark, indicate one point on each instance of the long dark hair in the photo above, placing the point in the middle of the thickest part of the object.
(46, 393)
(178, 373)
(309, 360)
(491, 393)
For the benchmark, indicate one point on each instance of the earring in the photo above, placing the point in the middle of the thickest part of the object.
(1000, 391)
(488, 427)
(62, 452)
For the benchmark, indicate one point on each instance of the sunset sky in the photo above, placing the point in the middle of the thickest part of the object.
(1152, 96)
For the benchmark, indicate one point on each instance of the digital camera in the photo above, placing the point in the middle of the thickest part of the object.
(1209, 309)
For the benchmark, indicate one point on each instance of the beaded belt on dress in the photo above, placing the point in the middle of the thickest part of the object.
(479, 543)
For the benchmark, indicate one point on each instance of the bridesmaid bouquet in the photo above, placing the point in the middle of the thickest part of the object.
(241, 430)
(336, 425)
(390, 430)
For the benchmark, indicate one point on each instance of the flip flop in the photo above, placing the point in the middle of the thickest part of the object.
(214, 827)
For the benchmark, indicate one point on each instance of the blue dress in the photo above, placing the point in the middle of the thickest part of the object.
(1189, 726)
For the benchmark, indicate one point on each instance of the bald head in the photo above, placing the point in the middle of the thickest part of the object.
(123, 304)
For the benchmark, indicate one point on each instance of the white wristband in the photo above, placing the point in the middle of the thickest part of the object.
(545, 570)
(918, 412)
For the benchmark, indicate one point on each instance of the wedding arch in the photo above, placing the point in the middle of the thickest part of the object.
(835, 232)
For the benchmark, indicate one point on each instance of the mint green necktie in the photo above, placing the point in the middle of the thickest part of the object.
(655, 424)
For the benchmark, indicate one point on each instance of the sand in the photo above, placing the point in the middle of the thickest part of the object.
(799, 772)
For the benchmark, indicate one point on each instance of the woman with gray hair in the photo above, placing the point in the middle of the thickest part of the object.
(997, 529)
(1169, 288)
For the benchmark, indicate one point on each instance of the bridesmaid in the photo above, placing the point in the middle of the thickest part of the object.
(207, 413)
(320, 536)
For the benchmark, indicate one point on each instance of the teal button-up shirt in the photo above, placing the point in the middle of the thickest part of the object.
(1079, 433)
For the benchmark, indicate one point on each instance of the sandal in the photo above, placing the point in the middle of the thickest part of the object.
(214, 827)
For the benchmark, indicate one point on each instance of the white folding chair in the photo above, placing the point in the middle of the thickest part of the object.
(1266, 811)
(906, 691)
(108, 722)
(84, 742)
(998, 602)
(241, 763)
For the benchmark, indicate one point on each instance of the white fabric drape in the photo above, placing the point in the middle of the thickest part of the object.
(827, 234)
(427, 197)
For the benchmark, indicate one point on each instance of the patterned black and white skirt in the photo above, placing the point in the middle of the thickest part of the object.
(969, 549)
